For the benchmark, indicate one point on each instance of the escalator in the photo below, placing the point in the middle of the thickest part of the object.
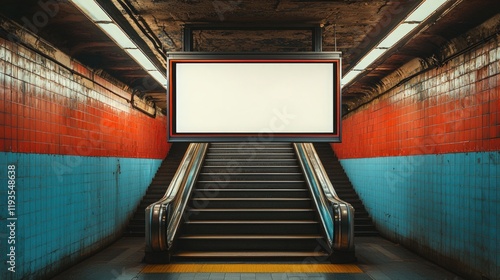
(249, 201)
(156, 189)
(363, 224)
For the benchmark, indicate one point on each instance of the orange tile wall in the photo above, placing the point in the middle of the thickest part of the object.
(48, 109)
(455, 108)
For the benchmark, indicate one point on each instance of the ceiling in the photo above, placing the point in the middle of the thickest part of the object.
(349, 26)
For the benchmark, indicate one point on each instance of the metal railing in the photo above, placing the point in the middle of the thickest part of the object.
(337, 216)
(163, 217)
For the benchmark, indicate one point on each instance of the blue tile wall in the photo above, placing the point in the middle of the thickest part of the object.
(445, 206)
(67, 207)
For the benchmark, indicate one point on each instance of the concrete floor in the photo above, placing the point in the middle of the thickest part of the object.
(377, 258)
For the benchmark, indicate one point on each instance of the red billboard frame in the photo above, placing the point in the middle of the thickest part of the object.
(175, 59)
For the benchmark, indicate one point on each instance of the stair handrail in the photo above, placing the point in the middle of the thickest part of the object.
(163, 217)
(337, 216)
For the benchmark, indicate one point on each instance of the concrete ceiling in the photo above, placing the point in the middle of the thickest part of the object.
(349, 26)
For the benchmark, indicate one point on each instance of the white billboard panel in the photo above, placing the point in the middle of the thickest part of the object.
(225, 98)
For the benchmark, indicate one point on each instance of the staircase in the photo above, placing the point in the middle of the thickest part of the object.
(250, 201)
(157, 188)
(363, 225)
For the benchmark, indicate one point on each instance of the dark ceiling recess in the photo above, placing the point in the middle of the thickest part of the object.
(252, 38)
(352, 27)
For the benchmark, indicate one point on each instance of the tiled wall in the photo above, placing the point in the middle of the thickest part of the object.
(454, 108)
(425, 160)
(447, 206)
(67, 207)
(47, 108)
(83, 159)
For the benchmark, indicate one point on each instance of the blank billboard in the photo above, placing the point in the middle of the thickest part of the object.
(274, 97)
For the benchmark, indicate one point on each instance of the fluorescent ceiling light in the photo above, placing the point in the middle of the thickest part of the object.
(350, 76)
(159, 77)
(397, 34)
(93, 10)
(369, 59)
(427, 8)
(142, 59)
(118, 36)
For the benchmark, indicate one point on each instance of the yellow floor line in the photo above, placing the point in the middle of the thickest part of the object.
(252, 268)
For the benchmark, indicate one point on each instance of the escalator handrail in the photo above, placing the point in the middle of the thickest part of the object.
(163, 217)
(337, 216)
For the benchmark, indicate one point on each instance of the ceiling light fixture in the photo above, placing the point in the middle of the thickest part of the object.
(118, 35)
(100, 18)
(412, 21)
(92, 10)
